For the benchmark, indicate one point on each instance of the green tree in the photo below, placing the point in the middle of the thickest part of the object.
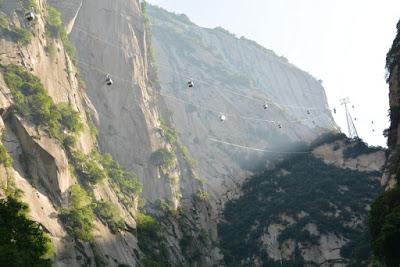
(384, 225)
(22, 242)
(70, 118)
(79, 216)
(5, 157)
(53, 22)
(109, 214)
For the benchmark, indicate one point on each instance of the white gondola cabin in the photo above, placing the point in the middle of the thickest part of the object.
(109, 81)
(30, 16)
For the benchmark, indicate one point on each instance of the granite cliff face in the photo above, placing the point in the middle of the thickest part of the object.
(384, 219)
(232, 76)
(187, 161)
(48, 161)
(41, 167)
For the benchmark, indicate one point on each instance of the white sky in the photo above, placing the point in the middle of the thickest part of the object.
(344, 43)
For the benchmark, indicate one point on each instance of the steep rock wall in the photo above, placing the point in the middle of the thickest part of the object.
(232, 76)
(41, 168)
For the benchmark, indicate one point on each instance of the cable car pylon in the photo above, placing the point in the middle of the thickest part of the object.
(351, 128)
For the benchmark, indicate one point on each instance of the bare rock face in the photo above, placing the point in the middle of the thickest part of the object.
(113, 41)
(333, 154)
(235, 77)
(44, 159)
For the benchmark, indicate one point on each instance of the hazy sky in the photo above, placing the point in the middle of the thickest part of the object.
(344, 43)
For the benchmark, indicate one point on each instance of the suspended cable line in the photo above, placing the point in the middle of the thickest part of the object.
(234, 91)
(191, 81)
(257, 149)
(239, 116)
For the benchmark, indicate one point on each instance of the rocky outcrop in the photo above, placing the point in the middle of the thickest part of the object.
(333, 154)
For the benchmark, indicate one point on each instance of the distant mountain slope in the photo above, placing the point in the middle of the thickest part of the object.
(307, 211)
(235, 77)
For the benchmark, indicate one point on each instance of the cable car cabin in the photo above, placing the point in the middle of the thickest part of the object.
(30, 16)
(222, 117)
(265, 106)
(109, 81)
(190, 84)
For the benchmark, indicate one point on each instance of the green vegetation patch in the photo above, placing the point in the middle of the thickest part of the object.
(32, 102)
(169, 133)
(109, 215)
(87, 167)
(5, 158)
(19, 35)
(29, 5)
(79, 216)
(22, 241)
(329, 197)
(56, 30)
(124, 183)
(360, 148)
(328, 138)
(151, 242)
(384, 226)
(164, 159)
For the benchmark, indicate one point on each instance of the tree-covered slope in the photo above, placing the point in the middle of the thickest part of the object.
(302, 212)
(384, 218)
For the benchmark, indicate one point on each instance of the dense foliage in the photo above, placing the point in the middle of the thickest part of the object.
(299, 184)
(328, 138)
(79, 216)
(55, 29)
(360, 148)
(32, 102)
(163, 158)
(5, 158)
(22, 241)
(151, 242)
(109, 215)
(384, 225)
(124, 182)
(19, 35)
(29, 4)
(87, 167)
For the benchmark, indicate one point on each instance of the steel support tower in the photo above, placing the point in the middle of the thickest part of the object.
(351, 128)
